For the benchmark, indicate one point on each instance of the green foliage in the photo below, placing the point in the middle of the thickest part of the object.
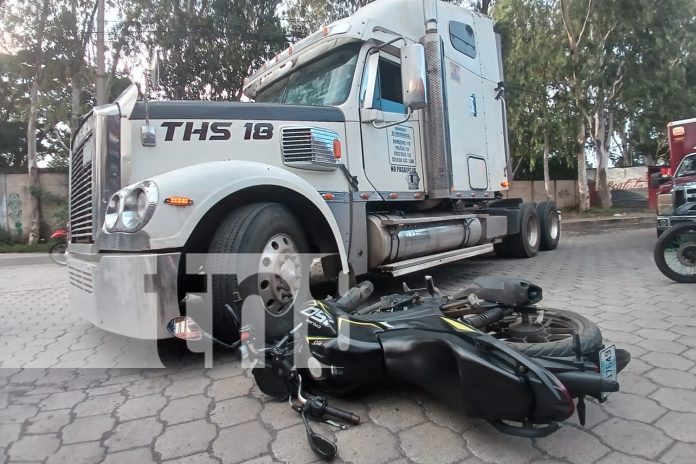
(307, 16)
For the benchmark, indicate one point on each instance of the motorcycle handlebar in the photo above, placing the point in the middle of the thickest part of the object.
(340, 414)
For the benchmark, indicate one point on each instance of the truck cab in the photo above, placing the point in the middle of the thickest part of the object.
(676, 194)
(376, 145)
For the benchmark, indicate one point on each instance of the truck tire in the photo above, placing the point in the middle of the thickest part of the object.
(524, 244)
(251, 239)
(550, 224)
(679, 241)
(589, 333)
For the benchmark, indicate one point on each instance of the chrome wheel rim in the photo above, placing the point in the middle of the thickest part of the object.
(554, 225)
(279, 274)
(680, 254)
(532, 234)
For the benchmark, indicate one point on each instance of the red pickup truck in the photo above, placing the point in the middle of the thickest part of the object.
(676, 197)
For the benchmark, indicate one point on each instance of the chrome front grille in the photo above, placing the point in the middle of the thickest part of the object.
(309, 148)
(82, 193)
(81, 279)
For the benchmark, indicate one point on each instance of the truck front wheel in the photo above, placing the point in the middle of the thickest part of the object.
(524, 244)
(256, 252)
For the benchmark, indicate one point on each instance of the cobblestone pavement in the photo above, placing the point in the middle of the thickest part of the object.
(189, 414)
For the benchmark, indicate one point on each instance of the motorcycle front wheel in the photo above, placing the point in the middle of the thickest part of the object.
(57, 253)
(675, 253)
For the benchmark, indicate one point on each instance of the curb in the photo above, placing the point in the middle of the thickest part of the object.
(24, 259)
(631, 222)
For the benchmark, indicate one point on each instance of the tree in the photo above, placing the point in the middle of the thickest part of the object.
(207, 48)
(306, 16)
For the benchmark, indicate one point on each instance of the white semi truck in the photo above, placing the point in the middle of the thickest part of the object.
(379, 143)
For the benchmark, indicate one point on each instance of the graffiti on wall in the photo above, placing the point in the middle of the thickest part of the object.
(14, 213)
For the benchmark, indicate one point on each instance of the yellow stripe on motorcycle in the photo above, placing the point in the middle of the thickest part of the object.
(458, 325)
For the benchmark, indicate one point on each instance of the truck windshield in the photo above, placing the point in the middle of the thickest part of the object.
(687, 167)
(323, 82)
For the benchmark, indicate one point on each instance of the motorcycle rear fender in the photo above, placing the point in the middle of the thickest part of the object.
(486, 380)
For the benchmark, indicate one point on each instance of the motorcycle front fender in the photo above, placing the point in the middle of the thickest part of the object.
(485, 382)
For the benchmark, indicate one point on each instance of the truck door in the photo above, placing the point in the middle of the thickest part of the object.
(465, 106)
(392, 155)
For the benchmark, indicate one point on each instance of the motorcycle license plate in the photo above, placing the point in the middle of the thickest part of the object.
(607, 364)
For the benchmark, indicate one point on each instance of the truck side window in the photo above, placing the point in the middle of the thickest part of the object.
(388, 96)
(462, 37)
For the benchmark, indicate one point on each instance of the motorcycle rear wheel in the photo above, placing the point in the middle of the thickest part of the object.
(555, 336)
(57, 253)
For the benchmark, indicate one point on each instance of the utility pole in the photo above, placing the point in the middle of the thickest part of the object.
(101, 85)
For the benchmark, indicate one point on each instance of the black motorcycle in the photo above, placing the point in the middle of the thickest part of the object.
(675, 253)
(488, 350)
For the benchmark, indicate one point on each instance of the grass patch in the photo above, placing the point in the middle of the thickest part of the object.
(24, 248)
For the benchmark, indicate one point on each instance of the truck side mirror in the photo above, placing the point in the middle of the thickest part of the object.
(657, 179)
(413, 76)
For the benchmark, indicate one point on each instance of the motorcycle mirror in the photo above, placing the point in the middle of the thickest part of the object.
(324, 448)
(184, 328)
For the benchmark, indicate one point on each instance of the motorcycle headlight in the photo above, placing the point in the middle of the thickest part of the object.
(131, 208)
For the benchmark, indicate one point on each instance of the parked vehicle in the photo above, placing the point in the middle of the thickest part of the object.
(57, 251)
(488, 350)
(675, 252)
(676, 197)
(351, 151)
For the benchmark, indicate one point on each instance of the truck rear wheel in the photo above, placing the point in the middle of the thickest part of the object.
(524, 244)
(258, 249)
(550, 225)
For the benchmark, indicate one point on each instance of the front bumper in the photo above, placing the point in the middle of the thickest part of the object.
(665, 222)
(129, 294)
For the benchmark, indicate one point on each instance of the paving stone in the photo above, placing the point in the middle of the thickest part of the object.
(227, 388)
(678, 425)
(142, 406)
(440, 444)
(187, 387)
(441, 414)
(200, 458)
(184, 439)
(672, 378)
(63, 400)
(633, 407)
(636, 366)
(290, 446)
(88, 428)
(97, 391)
(134, 456)
(17, 413)
(676, 399)
(352, 444)
(32, 400)
(33, 447)
(667, 360)
(396, 413)
(620, 458)
(103, 404)
(636, 384)
(225, 370)
(9, 433)
(145, 387)
(663, 346)
(653, 324)
(185, 409)
(492, 446)
(573, 444)
(135, 433)
(48, 421)
(278, 415)
(680, 453)
(82, 453)
(235, 411)
(241, 442)
(633, 437)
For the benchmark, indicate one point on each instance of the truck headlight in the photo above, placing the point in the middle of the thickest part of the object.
(130, 209)
(665, 204)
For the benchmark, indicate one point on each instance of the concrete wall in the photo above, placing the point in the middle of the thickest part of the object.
(15, 199)
(563, 192)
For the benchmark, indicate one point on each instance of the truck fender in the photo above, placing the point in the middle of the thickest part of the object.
(207, 184)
